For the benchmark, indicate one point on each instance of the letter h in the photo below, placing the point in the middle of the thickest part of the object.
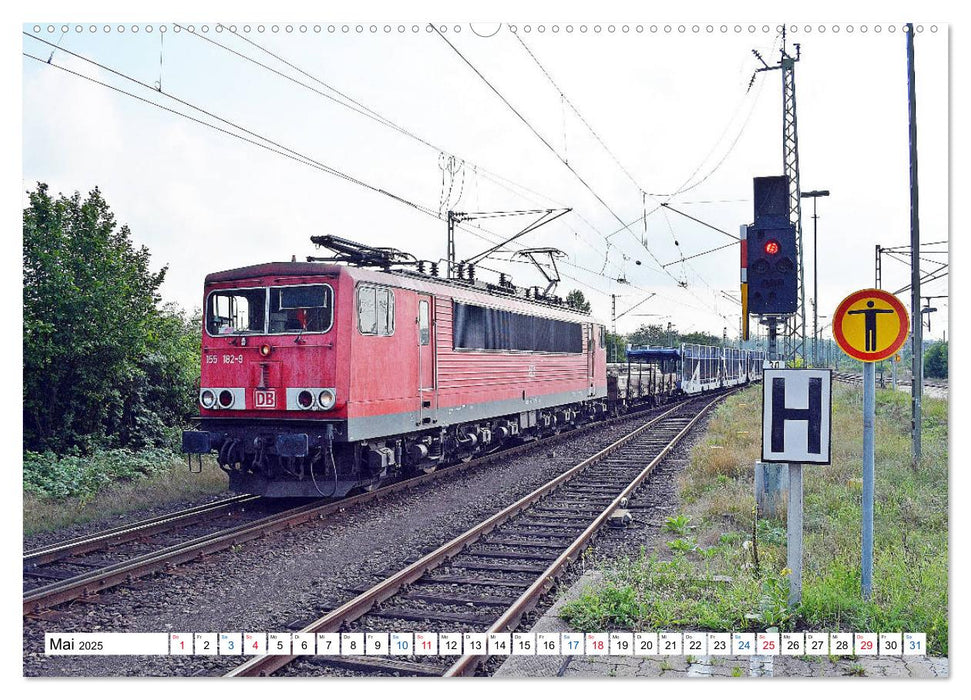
(812, 415)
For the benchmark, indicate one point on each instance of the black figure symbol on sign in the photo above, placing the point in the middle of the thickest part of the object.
(870, 321)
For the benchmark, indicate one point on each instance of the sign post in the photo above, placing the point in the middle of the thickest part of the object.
(869, 421)
(794, 534)
(796, 412)
(869, 325)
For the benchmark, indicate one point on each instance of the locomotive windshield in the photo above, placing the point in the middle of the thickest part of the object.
(236, 311)
(295, 309)
(303, 308)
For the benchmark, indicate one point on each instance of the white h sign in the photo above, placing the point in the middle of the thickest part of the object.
(796, 410)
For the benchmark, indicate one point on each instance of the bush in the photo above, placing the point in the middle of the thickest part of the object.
(935, 361)
(66, 476)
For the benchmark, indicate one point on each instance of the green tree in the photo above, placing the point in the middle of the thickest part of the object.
(700, 337)
(103, 365)
(653, 334)
(576, 300)
(616, 348)
(935, 361)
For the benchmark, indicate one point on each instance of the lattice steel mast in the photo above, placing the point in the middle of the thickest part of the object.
(795, 325)
(790, 161)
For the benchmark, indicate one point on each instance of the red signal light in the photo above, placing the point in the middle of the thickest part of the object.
(771, 247)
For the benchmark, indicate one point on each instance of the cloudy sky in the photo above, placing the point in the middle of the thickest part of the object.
(626, 116)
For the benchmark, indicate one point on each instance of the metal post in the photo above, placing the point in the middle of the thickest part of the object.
(613, 324)
(450, 251)
(794, 534)
(877, 273)
(917, 327)
(869, 418)
(815, 194)
(815, 287)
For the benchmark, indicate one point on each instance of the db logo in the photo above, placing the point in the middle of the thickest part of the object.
(265, 399)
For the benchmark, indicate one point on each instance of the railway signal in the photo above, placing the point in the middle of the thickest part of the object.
(769, 257)
(772, 270)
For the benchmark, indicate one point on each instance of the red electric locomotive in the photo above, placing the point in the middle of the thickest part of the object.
(320, 378)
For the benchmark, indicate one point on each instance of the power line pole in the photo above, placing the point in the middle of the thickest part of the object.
(613, 325)
(790, 148)
(917, 326)
(815, 194)
(795, 327)
(450, 253)
(878, 267)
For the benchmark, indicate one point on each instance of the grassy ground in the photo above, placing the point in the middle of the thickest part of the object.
(723, 570)
(171, 483)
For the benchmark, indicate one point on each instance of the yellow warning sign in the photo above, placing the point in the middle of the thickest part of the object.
(870, 325)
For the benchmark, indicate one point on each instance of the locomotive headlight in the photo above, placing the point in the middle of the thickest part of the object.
(327, 399)
(305, 399)
(226, 398)
(265, 350)
(207, 398)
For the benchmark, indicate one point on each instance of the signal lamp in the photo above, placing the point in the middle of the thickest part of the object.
(225, 398)
(207, 399)
(772, 247)
(327, 399)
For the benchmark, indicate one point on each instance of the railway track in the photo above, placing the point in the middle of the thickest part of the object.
(78, 546)
(84, 568)
(857, 379)
(486, 579)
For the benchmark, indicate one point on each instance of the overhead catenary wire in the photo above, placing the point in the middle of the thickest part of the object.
(566, 100)
(257, 140)
(273, 147)
(624, 225)
(385, 121)
(634, 180)
(363, 110)
(525, 121)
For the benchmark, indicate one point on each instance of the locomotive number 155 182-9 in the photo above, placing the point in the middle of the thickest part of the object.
(227, 359)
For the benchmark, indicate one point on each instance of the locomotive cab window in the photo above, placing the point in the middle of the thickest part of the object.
(301, 309)
(235, 311)
(375, 310)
